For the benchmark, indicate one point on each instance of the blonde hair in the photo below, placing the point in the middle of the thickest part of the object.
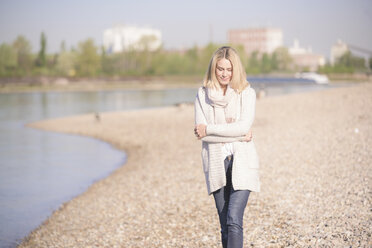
(239, 77)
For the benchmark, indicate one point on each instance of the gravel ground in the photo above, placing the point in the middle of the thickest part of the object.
(315, 158)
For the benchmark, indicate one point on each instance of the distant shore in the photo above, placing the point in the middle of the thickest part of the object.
(314, 151)
(45, 84)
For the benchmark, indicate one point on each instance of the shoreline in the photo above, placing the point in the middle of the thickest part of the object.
(159, 196)
(88, 87)
(133, 83)
(97, 84)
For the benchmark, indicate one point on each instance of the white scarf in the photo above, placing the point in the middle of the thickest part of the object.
(224, 108)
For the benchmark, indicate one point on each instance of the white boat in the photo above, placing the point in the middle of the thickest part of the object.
(318, 78)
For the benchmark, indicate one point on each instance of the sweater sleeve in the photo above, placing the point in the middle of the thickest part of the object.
(200, 119)
(221, 139)
(242, 126)
(199, 115)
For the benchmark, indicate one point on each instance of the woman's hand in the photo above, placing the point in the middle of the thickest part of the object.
(248, 136)
(200, 131)
(230, 120)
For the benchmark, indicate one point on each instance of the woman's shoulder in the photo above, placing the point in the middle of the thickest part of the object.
(249, 91)
(202, 88)
(201, 91)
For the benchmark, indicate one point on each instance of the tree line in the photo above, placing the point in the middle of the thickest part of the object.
(90, 60)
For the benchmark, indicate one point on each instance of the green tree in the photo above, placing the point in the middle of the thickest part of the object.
(283, 58)
(159, 63)
(253, 65)
(265, 63)
(62, 47)
(145, 42)
(23, 50)
(242, 54)
(191, 58)
(205, 56)
(88, 60)
(274, 64)
(370, 63)
(105, 61)
(351, 61)
(174, 64)
(8, 59)
(66, 63)
(41, 59)
(327, 69)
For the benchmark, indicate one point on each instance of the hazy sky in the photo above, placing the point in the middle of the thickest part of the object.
(316, 23)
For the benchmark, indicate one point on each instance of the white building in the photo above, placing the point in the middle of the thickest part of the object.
(337, 50)
(123, 38)
(296, 49)
(305, 58)
(262, 40)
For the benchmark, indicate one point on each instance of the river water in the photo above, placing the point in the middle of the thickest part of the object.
(41, 170)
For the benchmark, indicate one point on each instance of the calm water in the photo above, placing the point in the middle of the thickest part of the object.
(41, 170)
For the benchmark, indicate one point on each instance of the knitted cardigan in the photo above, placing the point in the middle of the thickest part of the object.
(245, 174)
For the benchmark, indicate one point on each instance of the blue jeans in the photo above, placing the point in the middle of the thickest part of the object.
(230, 205)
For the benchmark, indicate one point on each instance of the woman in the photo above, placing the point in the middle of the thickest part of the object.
(224, 113)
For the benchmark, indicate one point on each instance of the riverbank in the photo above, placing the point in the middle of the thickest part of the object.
(47, 84)
(62, 84)
(314, 151)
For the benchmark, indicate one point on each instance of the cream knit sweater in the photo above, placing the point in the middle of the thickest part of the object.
(245, 166)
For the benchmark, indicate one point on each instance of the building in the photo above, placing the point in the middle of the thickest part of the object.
(123, 38)
(337, 50)
(305, 59)
(262, 40)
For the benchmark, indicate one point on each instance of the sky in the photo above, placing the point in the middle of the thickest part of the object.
(317, 24)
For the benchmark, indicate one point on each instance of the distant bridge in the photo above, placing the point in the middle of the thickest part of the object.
(360, 49)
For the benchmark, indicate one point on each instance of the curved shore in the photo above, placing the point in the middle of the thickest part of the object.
(314, 151)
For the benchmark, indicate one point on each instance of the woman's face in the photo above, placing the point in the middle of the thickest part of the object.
(223, 72)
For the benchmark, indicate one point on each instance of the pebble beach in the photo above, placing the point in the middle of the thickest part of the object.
(315, 152)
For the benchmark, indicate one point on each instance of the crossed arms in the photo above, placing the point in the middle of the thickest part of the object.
(229, 132)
